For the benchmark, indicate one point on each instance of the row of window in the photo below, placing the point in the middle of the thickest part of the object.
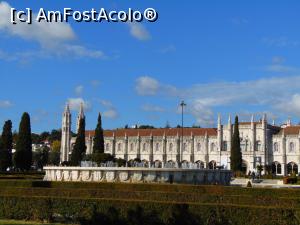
(291, 147)
(171, 147)
(245, 146)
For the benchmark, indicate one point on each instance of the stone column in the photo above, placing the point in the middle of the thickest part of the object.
(151, 149)
(284, 166)
(229, 127)
(220, 137)
(192, 157)
(206, 150)
(253, 142)
(178, 148)
(164, 149)
(264, 139)
(126, 147)
(139, 146)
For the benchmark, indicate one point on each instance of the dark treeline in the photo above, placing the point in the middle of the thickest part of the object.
(23, 158)
(179, 215)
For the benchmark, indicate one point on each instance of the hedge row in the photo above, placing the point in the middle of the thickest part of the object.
(196, 189)
(293, 201)
(93, 211)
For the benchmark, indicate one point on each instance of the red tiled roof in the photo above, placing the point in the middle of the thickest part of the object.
(248, 123)
(157, 132)
(292, 130)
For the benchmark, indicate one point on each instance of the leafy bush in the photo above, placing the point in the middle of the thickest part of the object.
(290, 180)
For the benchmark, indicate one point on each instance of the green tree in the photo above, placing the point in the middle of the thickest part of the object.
(53, 158)
(79, 147)
(236, 154)
(40, 157)
(6, 146)
(44, 136)
(55, 135)
(23, 154)
(98, 146)
(56, 146)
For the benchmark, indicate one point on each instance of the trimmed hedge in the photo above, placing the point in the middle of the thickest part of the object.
(119, 203)
(195, 189)
(154, 196)
(86, 210)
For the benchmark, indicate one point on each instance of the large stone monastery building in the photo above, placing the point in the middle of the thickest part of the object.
(261, 144)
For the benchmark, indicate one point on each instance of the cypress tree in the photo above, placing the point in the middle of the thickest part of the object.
(98, 146)
(23, 154)
(6, 146)
(236, 154)
(79, 147)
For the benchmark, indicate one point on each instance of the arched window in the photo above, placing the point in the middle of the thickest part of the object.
(258, 146)
(276, 147)
(292, 168)
(119, 147)
(292, 147)
(157, 147)
(107, 147)
(131, 147)
(184, 148)
(171, 147)
(212, 165)
(198, 147)
(200, 164)
(276, 168)
(212, 147)
(224, 146)
(144, 147)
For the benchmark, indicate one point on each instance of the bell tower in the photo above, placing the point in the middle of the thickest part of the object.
(65, 135)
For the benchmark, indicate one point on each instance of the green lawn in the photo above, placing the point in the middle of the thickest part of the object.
(22, 222)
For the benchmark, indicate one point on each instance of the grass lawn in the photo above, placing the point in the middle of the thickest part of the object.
(22, 222)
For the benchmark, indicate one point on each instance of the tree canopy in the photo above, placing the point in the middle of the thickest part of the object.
(79, 147)
(236, 154)
(98, 146)
(6, 146)
(23, 154)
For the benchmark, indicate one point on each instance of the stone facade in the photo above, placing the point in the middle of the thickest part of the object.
(137, 175)
(261, 144)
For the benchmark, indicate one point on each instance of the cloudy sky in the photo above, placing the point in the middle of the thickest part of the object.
(227, 57)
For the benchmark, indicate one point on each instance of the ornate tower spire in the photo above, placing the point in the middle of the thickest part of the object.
(220, 133)
(229, 121)
(80, 116)
(289, 122)
(65, 148)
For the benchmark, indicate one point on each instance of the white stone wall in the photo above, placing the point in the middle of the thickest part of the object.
(137, 175)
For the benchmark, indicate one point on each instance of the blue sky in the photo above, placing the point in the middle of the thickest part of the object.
(219, 56)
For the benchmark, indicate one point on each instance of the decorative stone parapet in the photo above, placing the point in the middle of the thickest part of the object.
(138, 175)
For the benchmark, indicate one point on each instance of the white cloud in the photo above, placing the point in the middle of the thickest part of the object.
(111, 114)
(290, 106)
(138, 31)
(106, 103)
(152, 108)
(75, 103)
(146, 85)
(54, 38)
(168, 49)
(95, 83)
(277, 68)
(280, 42)
(47, 34)
(278, 60)
(79, 89)
(5, 104)
(280, 94)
